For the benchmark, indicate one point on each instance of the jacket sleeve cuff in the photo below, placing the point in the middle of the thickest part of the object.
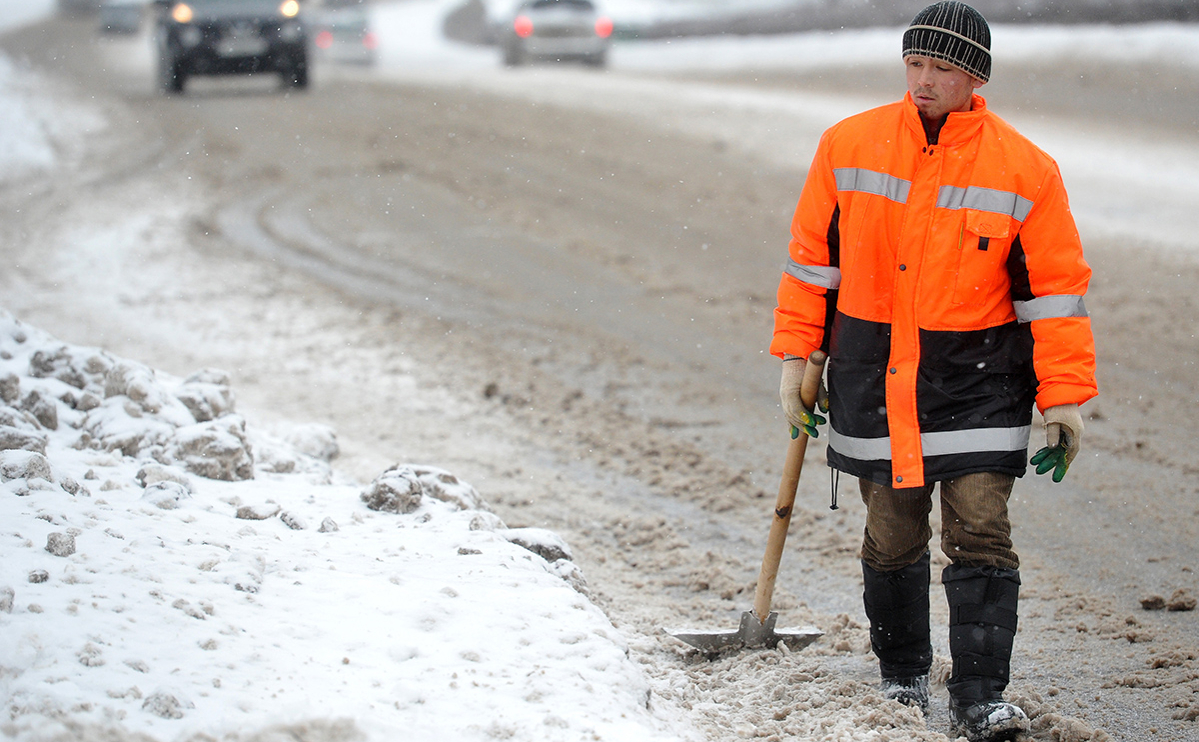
(1064, 394)
(787, 345)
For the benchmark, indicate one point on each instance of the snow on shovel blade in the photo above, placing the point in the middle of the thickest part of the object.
(752, 633)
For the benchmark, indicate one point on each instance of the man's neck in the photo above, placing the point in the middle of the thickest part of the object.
(932, 127)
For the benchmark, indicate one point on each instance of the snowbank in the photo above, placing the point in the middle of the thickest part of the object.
(36, 132)
(169, 570)
(16, 13)
(25, 146)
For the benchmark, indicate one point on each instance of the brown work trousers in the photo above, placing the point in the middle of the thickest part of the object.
(975, 528)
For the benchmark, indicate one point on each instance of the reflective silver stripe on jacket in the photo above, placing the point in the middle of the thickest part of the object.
(869, 181)
(1050, 307)
(862, 449)
(817, 275)
(984, 199)
(945, 443)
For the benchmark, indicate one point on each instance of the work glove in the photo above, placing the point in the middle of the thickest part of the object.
(800, 417)
(1063, 437)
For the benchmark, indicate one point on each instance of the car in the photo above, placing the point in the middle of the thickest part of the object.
(556, 30)
(230, 37)
(120, 17)
(343, 34)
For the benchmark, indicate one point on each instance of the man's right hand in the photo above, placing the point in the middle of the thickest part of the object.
(800, 417)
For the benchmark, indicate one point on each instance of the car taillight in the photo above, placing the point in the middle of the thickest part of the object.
(603, 27)
(523, 26)
(370, 41)
(182, 13)
(324, 40)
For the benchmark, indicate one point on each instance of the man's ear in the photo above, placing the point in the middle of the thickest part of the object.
(977, 83)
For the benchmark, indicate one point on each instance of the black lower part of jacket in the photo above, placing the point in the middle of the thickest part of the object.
(966, 380)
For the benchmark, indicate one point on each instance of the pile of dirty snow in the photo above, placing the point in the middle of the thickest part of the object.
(169, 570)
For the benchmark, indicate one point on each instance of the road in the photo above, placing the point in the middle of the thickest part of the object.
(558, 284)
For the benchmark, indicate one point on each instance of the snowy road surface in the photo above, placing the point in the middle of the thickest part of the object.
(557, 284)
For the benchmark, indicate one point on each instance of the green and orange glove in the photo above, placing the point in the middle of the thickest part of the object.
(1063, 438)
(800, 417)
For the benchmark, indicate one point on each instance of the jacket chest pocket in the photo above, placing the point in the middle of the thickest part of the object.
(983, 246)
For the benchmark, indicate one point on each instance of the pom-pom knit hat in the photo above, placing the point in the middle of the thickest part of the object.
(952, 32)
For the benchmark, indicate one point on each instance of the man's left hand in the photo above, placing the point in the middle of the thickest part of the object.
(1063, 438)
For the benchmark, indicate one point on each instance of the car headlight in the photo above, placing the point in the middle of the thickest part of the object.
(182, 13)
(289, 8)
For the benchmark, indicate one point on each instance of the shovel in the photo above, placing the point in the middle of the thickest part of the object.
(758, 625)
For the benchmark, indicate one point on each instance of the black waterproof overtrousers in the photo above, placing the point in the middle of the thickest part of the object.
(897, 606)
(982, 628)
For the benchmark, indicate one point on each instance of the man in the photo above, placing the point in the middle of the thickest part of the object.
(934, 257)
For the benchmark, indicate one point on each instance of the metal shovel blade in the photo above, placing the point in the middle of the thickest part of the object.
(752, 633)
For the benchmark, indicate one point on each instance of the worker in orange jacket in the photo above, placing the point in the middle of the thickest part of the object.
(934, 258)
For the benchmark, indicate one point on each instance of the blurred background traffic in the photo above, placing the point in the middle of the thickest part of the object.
(527, 31)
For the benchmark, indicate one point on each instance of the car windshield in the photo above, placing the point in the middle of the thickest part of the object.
(571, 4)
(231, 3)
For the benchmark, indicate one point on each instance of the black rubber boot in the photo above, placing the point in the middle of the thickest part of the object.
(897, 605)
(982, 628)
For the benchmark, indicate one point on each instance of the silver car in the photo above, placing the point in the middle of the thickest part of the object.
(343, 34)
(556, 30)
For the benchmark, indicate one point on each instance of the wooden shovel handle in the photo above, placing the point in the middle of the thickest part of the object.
(786, 499)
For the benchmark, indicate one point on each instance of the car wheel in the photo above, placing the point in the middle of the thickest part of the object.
(171, 77)
(597, 60)
(297, 75)
(514, 55)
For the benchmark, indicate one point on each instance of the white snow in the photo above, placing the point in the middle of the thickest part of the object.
(25, 146)
(137, 591)
(16, 13)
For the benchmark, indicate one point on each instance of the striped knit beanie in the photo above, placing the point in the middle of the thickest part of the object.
(953, 32)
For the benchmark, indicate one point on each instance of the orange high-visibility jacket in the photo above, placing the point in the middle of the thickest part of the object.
(946, 282)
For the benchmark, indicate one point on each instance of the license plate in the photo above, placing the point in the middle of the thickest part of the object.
(559, 32)
(241, 42)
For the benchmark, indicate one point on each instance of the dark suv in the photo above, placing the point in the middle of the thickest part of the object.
(230, 37)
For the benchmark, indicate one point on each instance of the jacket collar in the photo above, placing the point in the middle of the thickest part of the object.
(960, 126)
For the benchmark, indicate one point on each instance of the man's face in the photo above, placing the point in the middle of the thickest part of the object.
(937, 87)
